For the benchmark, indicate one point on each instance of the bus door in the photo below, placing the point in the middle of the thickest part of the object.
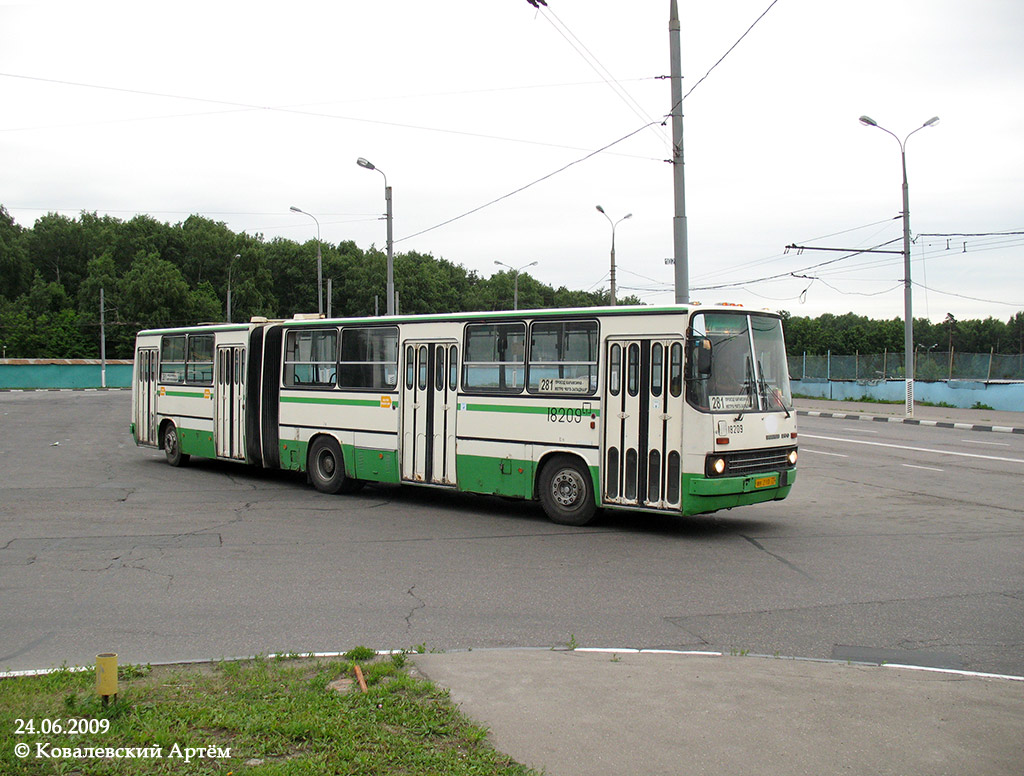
(643, 423)
(428, 412)
(230, 402)
(146, 364)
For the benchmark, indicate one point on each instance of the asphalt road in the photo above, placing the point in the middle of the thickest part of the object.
(899, 543)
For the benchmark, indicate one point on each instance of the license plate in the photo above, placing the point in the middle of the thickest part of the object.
(766, 482)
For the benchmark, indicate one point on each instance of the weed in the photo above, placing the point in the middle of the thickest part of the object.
(360, 653)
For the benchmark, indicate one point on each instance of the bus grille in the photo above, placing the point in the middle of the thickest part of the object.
(771, 459)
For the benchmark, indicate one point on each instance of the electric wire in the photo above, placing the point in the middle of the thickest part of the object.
(241, 107)
(525, 187)
(603, 72)
(731, 48)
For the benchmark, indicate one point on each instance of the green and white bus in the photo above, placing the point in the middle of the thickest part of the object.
(678, 410)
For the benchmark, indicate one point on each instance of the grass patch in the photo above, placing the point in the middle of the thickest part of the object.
(274, 717)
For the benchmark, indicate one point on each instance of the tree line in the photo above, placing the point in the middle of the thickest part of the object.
(850, 333)
(156, 274)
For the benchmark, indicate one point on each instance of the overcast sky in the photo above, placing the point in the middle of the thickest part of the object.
(237, 111)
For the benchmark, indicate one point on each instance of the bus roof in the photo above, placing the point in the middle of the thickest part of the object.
(314, 320)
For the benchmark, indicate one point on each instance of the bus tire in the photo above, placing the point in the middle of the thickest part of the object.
(172, 446)
(567, 491)
(327, 468)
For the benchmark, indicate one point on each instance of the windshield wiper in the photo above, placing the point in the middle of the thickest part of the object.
(772, 393)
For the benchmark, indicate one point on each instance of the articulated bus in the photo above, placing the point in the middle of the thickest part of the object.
(678, 410)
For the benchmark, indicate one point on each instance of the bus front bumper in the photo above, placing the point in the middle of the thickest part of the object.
(769, 482)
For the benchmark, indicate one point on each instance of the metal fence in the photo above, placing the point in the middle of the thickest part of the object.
(928, 365)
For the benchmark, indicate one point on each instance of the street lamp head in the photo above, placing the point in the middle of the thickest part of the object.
(628, 215)
(600, 210)
(532, 264)
(867, 121)
(931, 122)
(296, 209)
(365, 163)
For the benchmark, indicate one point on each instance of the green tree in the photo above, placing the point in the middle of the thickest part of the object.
(15, 267)
(153, 293)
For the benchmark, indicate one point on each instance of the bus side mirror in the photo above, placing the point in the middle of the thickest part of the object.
(704, 357)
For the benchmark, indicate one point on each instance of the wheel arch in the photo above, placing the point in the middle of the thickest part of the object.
(557, 452)
(346, 457)
(165, 423)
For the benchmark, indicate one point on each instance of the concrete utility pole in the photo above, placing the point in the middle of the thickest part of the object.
(389, 216)
(908, 315)
(611, 276)
(680, 250)
(319, 261)
(103, 344)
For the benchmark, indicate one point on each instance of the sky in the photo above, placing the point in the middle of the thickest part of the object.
(485, 117)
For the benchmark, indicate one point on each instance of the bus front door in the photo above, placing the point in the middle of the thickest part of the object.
(230, 402)
(428, 412)
(643, 423)
(146, 364)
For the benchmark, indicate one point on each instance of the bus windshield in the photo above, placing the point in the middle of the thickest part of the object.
(737, 363)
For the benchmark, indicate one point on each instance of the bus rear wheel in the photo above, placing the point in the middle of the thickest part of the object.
(327, 468)
(172, 447)
(567, 491)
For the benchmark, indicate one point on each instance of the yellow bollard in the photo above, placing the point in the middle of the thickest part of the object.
(106, 676)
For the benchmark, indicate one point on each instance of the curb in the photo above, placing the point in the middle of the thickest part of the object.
(598, 650)
(65, 390)
(913, 422)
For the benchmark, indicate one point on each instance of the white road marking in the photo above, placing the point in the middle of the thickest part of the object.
(976, 442)
(929, 468)
(861, 430)
(914, 449)
(822, 452)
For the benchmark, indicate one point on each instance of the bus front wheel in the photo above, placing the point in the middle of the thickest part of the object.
(327, 468)
(567, 491)
(172, 447)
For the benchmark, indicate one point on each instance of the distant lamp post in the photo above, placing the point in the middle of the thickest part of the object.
(390, 291)
(908, 317)
(319, 262)
(515, 275)
(230, 264)
(614, 224)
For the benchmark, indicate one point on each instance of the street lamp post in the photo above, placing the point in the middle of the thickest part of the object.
(319, 262)
(908, 316)
(515, 275)
(614, 224)
(390, 292)
(230, 264)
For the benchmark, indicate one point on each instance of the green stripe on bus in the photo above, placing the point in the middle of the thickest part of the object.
(526, 409)
(187, 394)
(345, 402)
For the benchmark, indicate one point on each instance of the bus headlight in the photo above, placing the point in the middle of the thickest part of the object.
(792, 457)
(718, 465)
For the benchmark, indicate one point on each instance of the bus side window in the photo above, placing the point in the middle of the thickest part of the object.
(199, 365)
(494, 357)
(369, 358)
(172, 358)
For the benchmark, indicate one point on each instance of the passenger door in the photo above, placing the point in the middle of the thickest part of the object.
(429, 411)
(230, 402)
(146, 365)
(643, 422)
